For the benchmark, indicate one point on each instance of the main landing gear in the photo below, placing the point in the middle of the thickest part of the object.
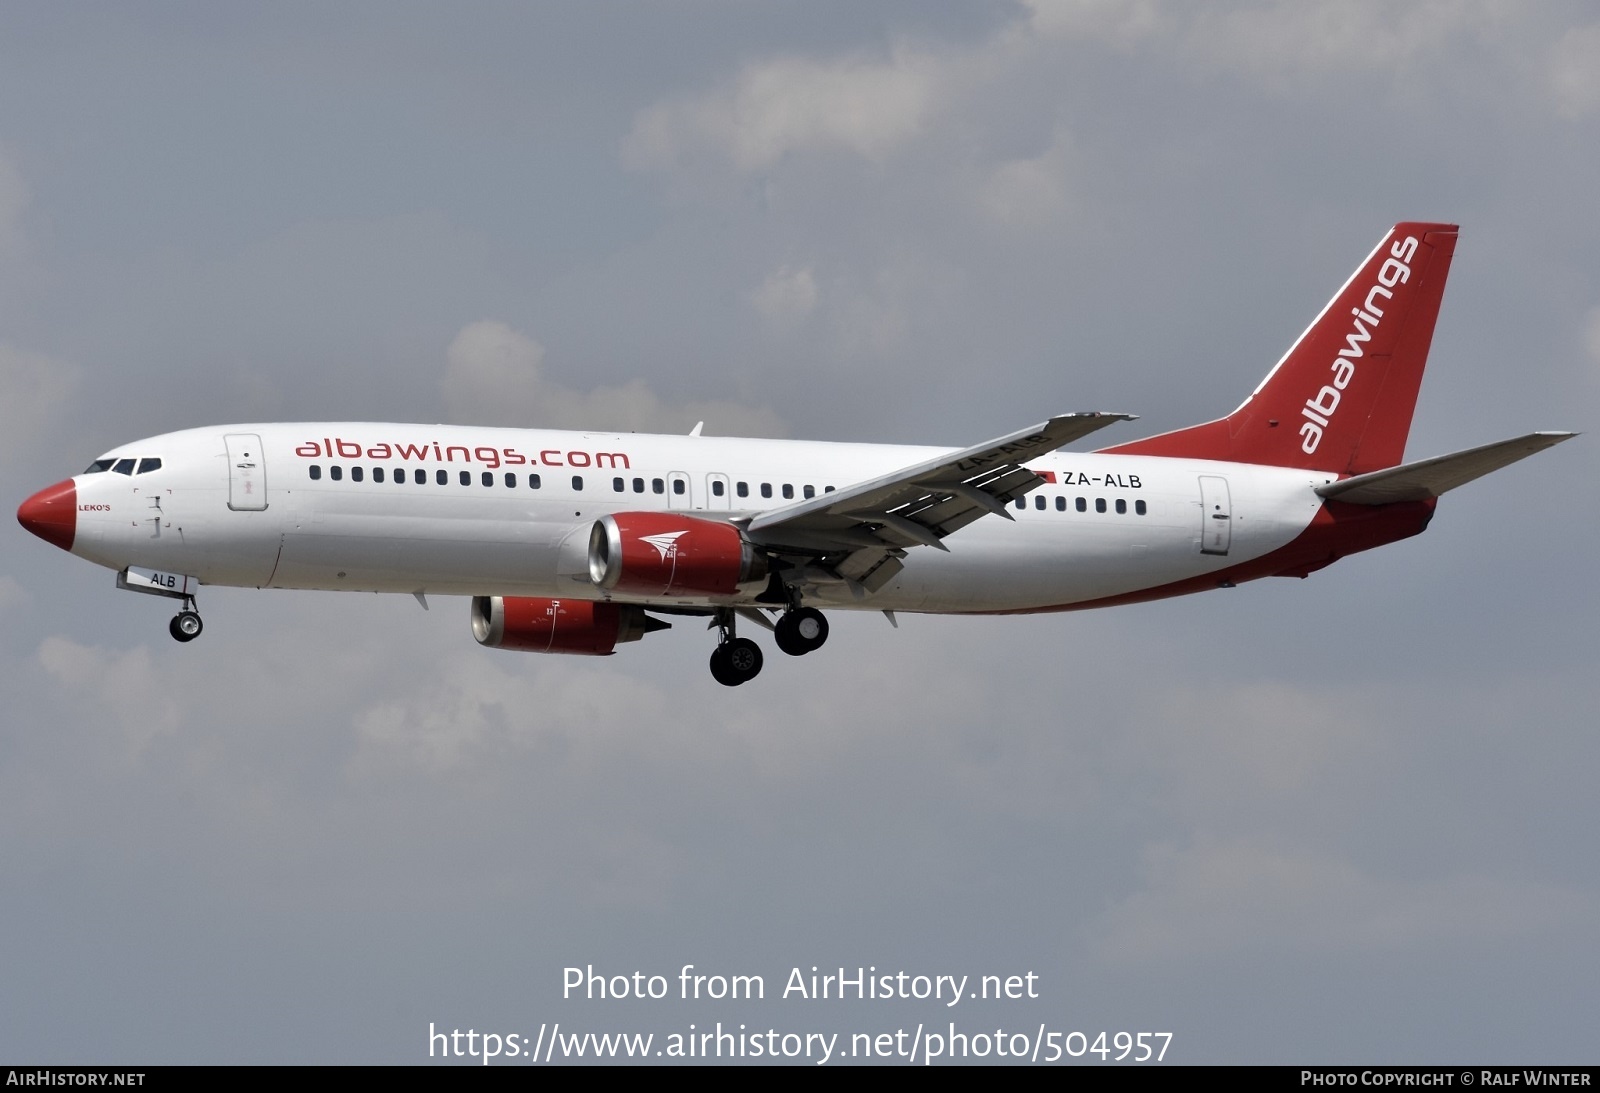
(186, 624)
(738, 660)
(801, 630)
(735, 660)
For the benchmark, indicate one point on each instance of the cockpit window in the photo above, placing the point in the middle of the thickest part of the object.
(124, 466)
(100, 466)
(148, 465)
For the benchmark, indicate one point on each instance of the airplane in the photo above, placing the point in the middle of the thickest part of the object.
(577, 542)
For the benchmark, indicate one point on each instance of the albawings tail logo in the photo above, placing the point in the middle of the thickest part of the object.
(1318, 412)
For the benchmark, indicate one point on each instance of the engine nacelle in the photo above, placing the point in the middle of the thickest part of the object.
(670, 554)
(579, 627)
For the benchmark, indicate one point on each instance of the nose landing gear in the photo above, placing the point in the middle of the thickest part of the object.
(186, 624)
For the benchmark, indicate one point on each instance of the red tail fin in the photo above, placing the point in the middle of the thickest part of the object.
(1341, 399)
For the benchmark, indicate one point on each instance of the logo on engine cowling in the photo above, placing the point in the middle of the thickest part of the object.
(666, 543)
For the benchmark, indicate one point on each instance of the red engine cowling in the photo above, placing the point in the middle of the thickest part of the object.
(580, 627)
(669, 554)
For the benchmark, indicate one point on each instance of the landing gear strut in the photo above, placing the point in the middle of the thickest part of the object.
(801, 630)
(186, 624)
(735, 660)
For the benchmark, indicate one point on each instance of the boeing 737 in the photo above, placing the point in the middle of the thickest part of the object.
(574, 542)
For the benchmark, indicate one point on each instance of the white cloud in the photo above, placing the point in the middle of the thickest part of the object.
(33, 390)
(12, 594)
(13, 201)
(1278, 38)
(1574, 71)
(124, 687)
(1029, 193)
(786, 296)
(1218, 896)
(495, 376)
(792, 104)
(1591, 335)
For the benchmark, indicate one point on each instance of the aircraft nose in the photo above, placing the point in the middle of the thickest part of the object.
(52, 514)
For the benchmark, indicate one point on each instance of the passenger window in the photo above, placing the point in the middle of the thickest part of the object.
(810, 491)
(827, 489)
(465, 477)
(1099, 504)
(742, 489)
(618, 485)
(1082, 505)
(677, 486)
(124, 466)
(788, 492)
(336, 472)
(511, 480)
(577, 482)
(442, 476)
(1022, 502)
(638, 485)
(1138, 507)
(355, 474)
(1061, 504)
(377, 474)
(1122, 507)
(718, 488)
(148, 465)
(488, 478)
(420, 477)
(766, 489)
(657, 486)
(1038, 503)
(534, 481)
(316, 473)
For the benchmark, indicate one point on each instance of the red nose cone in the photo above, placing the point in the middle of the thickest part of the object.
(52, 514)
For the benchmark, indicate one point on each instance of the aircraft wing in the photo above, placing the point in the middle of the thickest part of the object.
(1432, 477)
(875, 521)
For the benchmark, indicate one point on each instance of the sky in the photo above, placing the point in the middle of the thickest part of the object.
(1346, 819)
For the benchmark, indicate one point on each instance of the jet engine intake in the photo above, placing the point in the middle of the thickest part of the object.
(669, 554)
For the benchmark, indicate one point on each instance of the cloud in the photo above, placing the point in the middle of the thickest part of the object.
(35, 388)
(1591, 335)
(494, 375)
(786, 296)
(1217, 896)
(775, 108)
(1574, 72)
(1274, 39)
(1029, 193)
(13, 201)
(124, 687)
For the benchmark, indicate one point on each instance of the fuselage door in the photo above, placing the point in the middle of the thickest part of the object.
(1216, 515)
(679, 494)
(247, 473)
(718, 492)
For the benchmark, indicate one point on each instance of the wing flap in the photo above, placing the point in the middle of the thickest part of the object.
(1433, 477)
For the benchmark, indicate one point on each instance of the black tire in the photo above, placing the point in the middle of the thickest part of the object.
(801, 631)
(185, 626)
(735, 662)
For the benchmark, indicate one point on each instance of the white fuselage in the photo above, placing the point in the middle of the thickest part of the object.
(340, 506)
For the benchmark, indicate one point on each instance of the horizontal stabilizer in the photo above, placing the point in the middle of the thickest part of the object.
(1432, 477)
